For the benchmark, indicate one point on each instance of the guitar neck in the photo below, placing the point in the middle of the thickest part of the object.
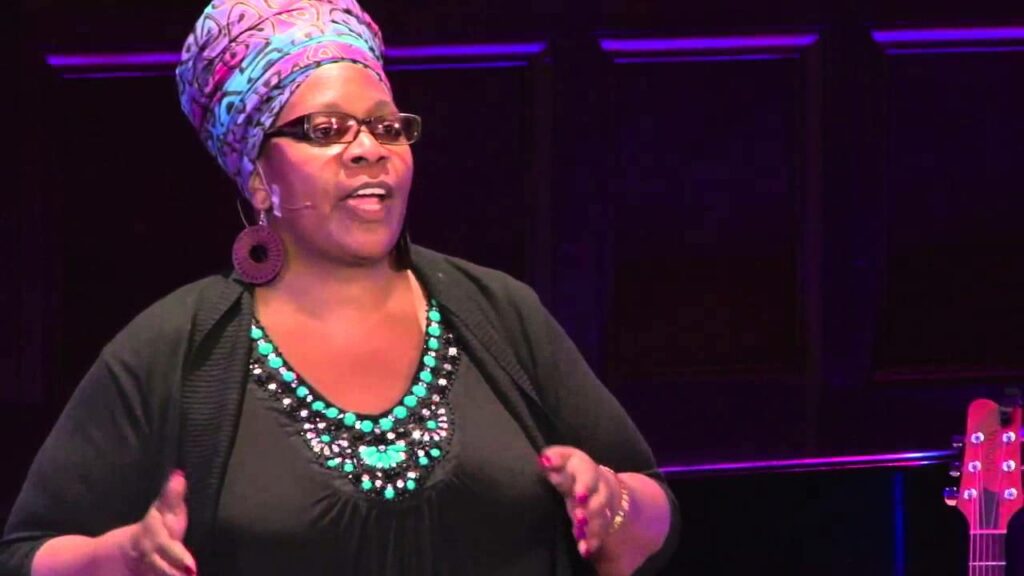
(988, 553)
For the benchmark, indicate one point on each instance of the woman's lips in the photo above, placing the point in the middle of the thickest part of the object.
(368, 203)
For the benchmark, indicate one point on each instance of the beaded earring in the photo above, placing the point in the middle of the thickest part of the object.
(258, 253)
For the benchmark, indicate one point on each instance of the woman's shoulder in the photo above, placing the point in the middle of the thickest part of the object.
(462, 278)
(169, 319)
(485, 299)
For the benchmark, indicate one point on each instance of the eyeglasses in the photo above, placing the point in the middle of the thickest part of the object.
(324, 128)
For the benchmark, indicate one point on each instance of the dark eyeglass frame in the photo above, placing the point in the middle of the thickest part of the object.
(300, 128)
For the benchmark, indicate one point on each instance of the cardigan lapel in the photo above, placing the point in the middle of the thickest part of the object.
(211, 400)
(463, 304)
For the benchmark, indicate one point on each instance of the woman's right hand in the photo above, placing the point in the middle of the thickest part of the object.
(153, 546)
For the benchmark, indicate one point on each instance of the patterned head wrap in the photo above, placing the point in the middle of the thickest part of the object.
(245, 58)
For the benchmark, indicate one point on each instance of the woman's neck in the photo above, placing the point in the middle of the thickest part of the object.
(320, 291)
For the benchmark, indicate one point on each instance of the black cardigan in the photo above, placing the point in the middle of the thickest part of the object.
(166, 392)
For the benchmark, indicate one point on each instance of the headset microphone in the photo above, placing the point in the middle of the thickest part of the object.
(303, 206)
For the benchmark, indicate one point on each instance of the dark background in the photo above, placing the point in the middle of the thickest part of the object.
(763, 253)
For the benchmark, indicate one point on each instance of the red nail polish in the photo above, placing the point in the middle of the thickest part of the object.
(580, 533)
(581, 518)
(545, 461)
(582, 498)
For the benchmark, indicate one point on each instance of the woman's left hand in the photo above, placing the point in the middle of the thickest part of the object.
(591, 494)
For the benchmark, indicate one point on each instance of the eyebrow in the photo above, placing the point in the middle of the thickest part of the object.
(383, 106)
(378, 107)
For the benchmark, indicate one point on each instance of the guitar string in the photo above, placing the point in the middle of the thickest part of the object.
(979, 481)
(983, 536)
(996, 546)
(1000, 486)
(973, 560)
(975, 567)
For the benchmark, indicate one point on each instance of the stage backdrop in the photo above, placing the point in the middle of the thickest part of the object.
(774, 231)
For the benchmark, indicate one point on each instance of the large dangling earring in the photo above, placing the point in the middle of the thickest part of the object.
(258, 253)
(403, 250)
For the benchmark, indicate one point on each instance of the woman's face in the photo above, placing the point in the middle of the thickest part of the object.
(312, 186)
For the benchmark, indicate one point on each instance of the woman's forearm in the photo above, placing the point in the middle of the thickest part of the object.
(643, 531)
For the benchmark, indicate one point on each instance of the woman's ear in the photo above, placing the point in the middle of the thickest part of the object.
(259, 194)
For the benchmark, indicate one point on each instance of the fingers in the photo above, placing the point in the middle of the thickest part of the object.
(160, 567)
(172, 497)
(587, 491)
(163, 530)
(171, 505)
(585, 478)
(152, 551)
(597, 512)
(569, 471)
(176, 556)
(554, 457)
(561, 479)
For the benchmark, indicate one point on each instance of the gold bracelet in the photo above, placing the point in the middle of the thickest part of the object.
(620, 515)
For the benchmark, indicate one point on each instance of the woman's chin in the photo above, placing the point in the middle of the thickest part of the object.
(362, 253)
(344, 248)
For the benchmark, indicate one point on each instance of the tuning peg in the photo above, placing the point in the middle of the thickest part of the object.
(951, 495)
(954, 469)
(957, 442)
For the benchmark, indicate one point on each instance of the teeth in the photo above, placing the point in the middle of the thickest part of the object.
(371, 192)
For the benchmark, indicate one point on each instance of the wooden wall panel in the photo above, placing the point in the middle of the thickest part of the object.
(955, 195)
(706, 324)
(705, 196)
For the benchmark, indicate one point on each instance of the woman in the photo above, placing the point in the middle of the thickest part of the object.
(344, 402)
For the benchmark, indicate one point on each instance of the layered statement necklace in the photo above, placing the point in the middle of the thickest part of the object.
(387, 455)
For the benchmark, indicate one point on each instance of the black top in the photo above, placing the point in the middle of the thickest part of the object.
(485, 508)
(168, 392)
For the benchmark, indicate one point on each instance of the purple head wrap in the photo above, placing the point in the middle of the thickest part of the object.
(245, 58)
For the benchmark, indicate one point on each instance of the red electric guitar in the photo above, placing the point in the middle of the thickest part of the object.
(990, 482)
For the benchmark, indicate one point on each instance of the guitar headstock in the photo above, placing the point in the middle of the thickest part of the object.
(990, 477)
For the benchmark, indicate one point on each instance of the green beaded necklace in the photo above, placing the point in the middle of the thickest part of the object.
(387, 455)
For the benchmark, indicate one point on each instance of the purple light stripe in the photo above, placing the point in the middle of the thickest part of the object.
(804, 464)
(457, 65)
(955, 50)
(465, 50)
(938, 374)
(146, 59)
(947, 35)
(723, 57)
(113, 60)
(708, 43)
(153, 74)
(389, 68)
